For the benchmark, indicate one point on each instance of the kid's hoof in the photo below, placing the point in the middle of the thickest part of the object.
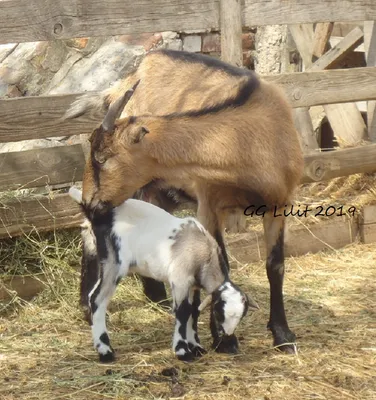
(226, 344)
(107, 358)
(198, 351)
(187, 357)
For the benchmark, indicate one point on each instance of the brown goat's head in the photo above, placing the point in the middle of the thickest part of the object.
(113, 171)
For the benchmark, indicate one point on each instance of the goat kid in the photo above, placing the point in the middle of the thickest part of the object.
(138, 237)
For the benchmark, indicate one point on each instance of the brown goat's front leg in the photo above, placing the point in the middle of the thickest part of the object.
(284, 339)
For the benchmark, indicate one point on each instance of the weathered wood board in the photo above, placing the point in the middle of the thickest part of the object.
(25, 287)
(345, 119)
(368, 225)
(326, 235)
(303, 37)
(24, 20)
(306, 89)
(370, 50)
(41, 167)
(231, 32)
(42, 214)
(322, 34)
(65, 165)
(332, 164)
(41, 117)
(27, 21)
(280, 12)
(334, 56)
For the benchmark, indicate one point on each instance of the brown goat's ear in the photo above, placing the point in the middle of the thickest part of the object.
(139, 135)
(116, 109)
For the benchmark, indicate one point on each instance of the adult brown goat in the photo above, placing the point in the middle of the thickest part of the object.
(238, 147)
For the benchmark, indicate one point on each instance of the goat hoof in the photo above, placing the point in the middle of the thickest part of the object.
(284, 340)
(187, 357)
(287, 347)
(107, 358)
(226, 344)
(198, 351)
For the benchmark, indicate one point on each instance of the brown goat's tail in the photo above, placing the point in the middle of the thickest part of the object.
(98, 102)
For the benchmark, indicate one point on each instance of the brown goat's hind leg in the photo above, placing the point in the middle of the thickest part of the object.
(284, 339)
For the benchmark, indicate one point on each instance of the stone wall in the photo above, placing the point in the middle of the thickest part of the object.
(85, 64)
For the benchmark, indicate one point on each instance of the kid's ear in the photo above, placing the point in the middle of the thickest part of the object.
(139, 135)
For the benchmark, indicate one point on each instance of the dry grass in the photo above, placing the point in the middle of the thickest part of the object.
(46, 348)
(356, 191)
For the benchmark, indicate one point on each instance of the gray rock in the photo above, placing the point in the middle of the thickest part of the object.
(192, 43)
(60, 67)
(28, 145)
(97, 71)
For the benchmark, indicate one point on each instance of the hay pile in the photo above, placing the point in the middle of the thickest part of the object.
(355, 191)
(46, 350)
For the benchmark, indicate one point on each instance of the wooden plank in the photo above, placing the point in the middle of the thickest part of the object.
(318, 166)
(345, 119)
(336, 39)
(339, 51)
(367, 224)
(305, 89)
(231, 32)
(370, 49)
(303, 38)
(281, 12)
(303, 123)
(24, 20)
(369, 215)
(25, 287)
(332, 164)
(40, 167)
(347, 123)
(40, 117)
(322, 34)
(41, 213)
(326, 235)
(341, 29)
(368, 233)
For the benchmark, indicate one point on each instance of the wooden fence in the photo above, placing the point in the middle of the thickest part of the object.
(40, 117)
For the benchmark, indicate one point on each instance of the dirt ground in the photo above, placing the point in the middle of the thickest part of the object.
(46, 350)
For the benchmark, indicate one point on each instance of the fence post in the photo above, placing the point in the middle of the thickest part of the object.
(231, 32)
(370, 50)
